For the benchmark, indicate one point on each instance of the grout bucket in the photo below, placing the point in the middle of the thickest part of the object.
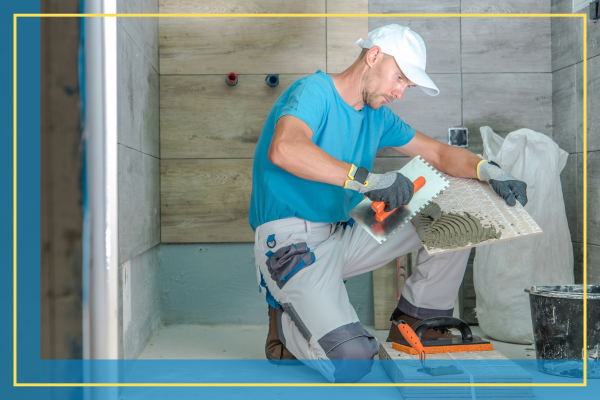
(557, 319)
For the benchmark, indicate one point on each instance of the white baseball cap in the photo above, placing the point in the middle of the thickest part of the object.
(407, 48)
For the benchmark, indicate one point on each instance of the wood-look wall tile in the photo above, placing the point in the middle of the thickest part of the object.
(430, 115)
(441, 35)
(202, 117)
(205, 200)
(139, 202)
(343, 32)
(506, 102)
(142, 30)
(241, 45)
(565, 119)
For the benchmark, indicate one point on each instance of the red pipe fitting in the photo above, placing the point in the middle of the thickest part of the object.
(232, 79)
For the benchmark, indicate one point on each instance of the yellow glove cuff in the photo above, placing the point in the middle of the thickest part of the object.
(478, 168)
(350, 175)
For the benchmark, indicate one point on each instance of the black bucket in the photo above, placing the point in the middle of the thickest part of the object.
(557, 318)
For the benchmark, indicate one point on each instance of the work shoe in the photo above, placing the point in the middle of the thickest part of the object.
(395, 334)
(275, 351)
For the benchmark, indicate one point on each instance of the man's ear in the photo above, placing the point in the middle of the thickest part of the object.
(373, 55)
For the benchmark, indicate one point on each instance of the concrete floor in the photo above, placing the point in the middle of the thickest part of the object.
(209, 342)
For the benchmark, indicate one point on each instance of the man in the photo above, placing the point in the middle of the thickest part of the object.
(311, 167)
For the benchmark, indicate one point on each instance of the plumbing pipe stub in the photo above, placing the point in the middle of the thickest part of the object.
(272, 80)
(232, 79)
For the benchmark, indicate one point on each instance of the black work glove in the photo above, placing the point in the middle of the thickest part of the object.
(393, 188)
(503, 183)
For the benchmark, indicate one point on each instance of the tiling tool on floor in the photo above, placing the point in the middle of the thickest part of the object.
(488, 367)
(381, 225)
(414, 341)
(444, 345)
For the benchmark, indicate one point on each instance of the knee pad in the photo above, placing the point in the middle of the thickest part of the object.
(353, 358)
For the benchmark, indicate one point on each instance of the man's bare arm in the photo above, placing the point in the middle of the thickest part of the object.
(452, 160)
(293, 150)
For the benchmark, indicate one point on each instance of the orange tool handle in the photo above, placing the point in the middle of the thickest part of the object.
(379, 206)
(411, 337)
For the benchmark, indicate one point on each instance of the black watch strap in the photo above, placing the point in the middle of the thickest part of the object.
(361, 175)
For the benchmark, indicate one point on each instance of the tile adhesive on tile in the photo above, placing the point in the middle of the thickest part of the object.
(438, 229)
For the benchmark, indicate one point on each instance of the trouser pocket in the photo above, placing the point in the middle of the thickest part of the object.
(287, 261)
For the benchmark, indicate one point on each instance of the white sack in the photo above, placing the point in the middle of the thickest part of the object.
(503, 270)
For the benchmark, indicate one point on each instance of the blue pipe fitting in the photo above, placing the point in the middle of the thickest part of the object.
(272, 80)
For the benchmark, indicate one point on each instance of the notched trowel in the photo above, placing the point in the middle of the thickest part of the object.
(380, 224)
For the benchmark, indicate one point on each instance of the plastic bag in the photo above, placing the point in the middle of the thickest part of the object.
(503, 270)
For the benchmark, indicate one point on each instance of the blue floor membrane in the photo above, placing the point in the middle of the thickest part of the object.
(263, 372)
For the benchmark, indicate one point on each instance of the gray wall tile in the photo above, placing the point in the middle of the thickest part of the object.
(430, 115)
(568, 179)
(506, 102)
(129, 61)
(150, 133)
(567, 36)
(578, 262)
(593, 104)
(578, 112)
(593, 34)
(145, 302)
(567, 40)
(143, 30)
(441, 35)
(565, 118)
(139, 203)
(593, 264)
(593, 194)
(578, 195)
(506, 45)
(138, 98)
(505, 6)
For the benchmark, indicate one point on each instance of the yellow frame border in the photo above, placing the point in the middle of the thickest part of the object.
(584, 384)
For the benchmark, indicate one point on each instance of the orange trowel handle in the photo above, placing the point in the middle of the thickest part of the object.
(411, 337)
(379, 206)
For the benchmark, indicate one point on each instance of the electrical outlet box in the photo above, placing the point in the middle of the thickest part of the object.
(458, 137)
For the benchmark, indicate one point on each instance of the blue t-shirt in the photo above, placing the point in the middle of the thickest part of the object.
(341, 131)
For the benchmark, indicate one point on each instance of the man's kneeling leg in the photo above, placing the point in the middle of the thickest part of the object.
(353, 358)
